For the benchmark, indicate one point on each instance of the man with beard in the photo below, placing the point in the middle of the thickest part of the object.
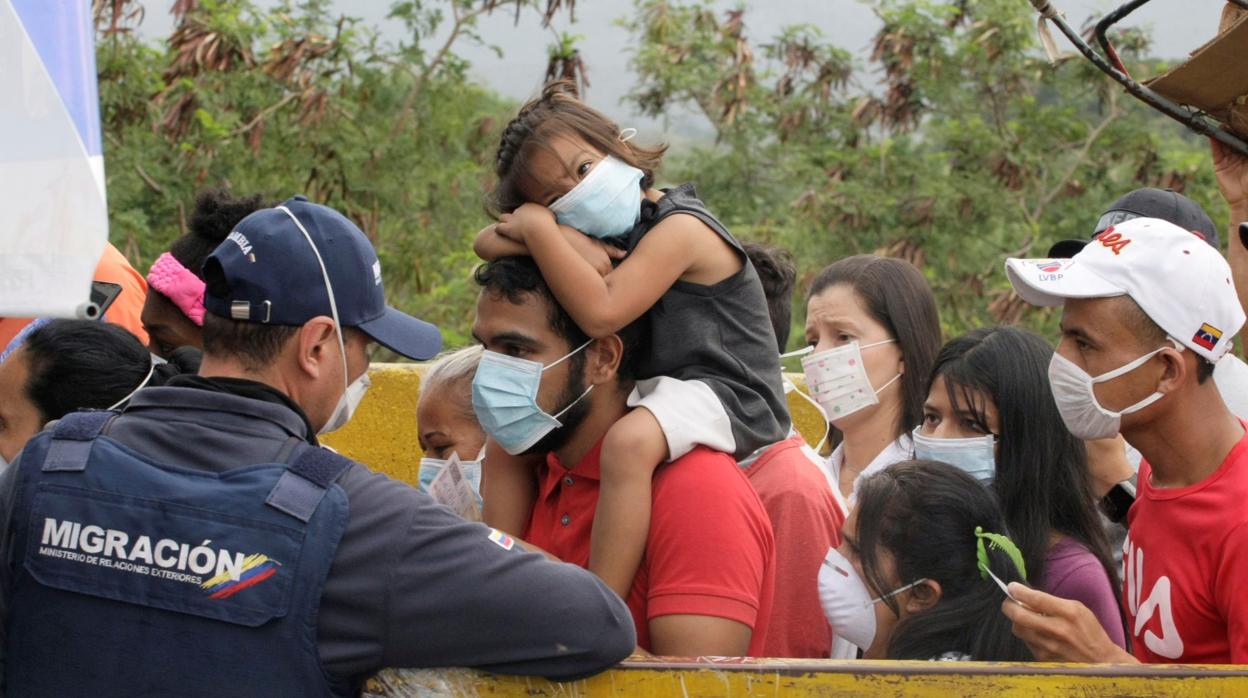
(705, 584)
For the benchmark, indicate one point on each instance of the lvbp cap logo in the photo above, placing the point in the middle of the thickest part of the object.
(1050, 269)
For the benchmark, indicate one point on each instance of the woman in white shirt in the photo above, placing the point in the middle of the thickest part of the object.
(874, 330)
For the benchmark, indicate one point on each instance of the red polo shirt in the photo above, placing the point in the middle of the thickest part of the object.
(709, 552)
(807, 521)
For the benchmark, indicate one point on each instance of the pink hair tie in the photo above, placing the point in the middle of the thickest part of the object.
(179, 285)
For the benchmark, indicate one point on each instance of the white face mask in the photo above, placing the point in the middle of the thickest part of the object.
(354, 391)
(838, 380)
(142, 384)
(847, 603)
(347, 404)
(1076, 401)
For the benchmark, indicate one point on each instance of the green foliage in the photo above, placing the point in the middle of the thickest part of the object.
(293, 100)
(955, 146)
(971, 149)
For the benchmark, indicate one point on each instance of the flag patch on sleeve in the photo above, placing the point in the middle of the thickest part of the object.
(501, 539)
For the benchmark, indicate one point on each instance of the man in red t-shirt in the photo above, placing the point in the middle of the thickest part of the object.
(1148, 309)
(798, 497)
(807, 522)
(705, 584)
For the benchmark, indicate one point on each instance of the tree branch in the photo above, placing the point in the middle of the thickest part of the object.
(409, 101)
(1080, 159)
(263, 113)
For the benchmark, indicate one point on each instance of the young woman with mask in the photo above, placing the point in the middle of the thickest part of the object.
(990, 412)
(914, 576)
(67, 365)
(446, 425)
(570, 178)
(873, 328)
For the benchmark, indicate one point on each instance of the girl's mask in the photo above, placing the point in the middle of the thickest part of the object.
(607, 203)
(976, 456)
(847, 603)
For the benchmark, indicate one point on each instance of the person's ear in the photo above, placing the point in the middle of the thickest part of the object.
(313, 346)
(603, 360)
(1175, 368)
(923, 596)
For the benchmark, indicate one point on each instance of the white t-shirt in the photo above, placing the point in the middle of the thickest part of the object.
(1230, 374)
(896, 452)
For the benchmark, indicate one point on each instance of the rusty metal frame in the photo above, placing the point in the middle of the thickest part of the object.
(1111, 66)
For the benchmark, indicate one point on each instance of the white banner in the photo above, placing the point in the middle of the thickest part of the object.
(53, 220)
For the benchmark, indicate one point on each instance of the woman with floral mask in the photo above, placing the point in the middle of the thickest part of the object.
(873, 331)
(920, 571)
(990, 412)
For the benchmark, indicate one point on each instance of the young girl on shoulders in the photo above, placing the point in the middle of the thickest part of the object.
(569, 179)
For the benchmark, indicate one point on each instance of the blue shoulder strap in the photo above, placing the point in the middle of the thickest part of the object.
(300, 489)
(72, 437)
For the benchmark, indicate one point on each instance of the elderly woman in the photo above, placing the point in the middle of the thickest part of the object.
(445, 422)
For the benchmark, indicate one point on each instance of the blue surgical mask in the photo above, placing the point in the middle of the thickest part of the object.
(976, 456)
(605, 204)
(504, 396)
(430, 467)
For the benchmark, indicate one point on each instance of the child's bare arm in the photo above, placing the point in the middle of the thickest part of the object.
(489, 245)
(602, 305)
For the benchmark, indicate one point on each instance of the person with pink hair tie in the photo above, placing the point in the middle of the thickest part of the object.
(173, 314)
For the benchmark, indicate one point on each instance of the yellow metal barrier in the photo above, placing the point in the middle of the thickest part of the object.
(729, 678)
(382, 434)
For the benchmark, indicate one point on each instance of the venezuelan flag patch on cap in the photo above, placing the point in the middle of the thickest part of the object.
(1207, 336)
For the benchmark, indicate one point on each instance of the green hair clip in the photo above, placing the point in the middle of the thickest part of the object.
(997, 542)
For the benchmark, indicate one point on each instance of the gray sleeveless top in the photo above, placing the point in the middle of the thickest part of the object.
(719, 334)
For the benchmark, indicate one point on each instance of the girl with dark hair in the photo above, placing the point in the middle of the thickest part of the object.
(568, 176)
(67, 365)
(916, 576)
(173, 313)
(873, 328)
(990, 412)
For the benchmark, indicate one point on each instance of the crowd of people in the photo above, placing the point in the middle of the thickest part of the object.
(623, 420)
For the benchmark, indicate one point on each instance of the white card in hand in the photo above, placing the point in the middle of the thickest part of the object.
(451, 489)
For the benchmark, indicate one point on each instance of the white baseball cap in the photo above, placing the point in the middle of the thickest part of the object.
(1180, 281)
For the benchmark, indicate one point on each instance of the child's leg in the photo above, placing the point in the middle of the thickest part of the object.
(508, 488)
(632, 449)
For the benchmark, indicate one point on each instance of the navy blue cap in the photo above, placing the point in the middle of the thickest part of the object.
(267, 272)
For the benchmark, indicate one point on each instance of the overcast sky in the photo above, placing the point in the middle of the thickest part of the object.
(605, 48)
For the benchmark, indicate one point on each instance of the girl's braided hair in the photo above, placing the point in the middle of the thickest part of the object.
(558, 112)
